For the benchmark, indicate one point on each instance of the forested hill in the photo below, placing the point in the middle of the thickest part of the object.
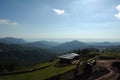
(68, 46)
(11, 40)
(15, 56)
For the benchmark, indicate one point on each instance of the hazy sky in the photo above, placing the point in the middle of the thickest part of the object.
(60, 19)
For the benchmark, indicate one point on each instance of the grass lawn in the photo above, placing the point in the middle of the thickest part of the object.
(39, 65)
(110, 54)
(38, 75)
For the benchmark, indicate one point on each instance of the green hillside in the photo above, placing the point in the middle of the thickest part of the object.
(40, 74)
(15, 57)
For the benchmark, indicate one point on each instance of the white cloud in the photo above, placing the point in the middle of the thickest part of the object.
(118, 7)
(59, 11)
(118, 14)
(7, 22)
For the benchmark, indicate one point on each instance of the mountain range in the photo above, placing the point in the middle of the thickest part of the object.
(11, 40)
(42, 44)
(58, 47)
(17, 53)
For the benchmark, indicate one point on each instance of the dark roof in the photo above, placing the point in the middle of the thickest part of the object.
(68, 56)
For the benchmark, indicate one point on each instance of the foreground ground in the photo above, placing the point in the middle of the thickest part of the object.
(39, 74)
(101, 71)
(108, 65)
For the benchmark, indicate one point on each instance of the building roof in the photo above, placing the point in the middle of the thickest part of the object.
(68, 56)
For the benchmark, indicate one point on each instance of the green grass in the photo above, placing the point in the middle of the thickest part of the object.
(40, 74)
(39, 65)
(50, 71)
(112, 55)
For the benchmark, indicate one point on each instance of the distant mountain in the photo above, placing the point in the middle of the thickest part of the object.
(11, 40)
(50, 44)
(14, 56)
(70, 46)
(37, 44)
(104, 44)
(42, 44)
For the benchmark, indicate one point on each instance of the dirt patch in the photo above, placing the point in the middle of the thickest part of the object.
(108, 65)
(116, 66)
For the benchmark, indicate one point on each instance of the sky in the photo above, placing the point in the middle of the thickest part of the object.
(86, 20)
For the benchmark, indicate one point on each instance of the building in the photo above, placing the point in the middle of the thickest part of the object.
(68, 58)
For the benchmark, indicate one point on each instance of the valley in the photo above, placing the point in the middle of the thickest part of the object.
(33, 61)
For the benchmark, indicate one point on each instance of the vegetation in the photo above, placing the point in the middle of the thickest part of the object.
(11, 40)
(40, 74)
(36, 63)
(109, 55)
(52, 70)
(72, 45)
(17, 58)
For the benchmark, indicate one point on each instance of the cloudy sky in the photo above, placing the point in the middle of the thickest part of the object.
(89, 20)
